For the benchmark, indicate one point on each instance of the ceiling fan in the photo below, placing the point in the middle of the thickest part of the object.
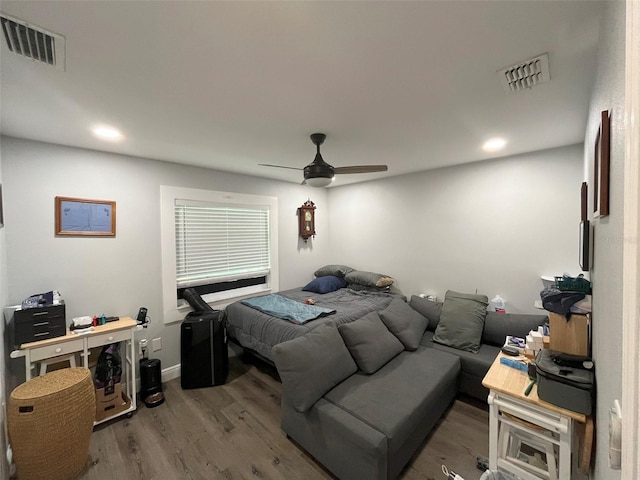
(320, 174)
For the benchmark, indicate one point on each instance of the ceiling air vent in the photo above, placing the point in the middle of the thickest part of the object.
(33, 42)
(526, 74)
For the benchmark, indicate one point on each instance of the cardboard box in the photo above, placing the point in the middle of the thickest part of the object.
(117, 404)
(101, 396)
(572, 336)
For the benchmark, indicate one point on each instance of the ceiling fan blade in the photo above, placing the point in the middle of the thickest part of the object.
(361, 169)
(278, 166)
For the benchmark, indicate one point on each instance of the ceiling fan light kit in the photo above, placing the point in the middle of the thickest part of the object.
(320, 174)
(319, 182)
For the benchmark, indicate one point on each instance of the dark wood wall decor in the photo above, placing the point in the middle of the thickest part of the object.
(601, 167)
(584, 245)
(583, 201)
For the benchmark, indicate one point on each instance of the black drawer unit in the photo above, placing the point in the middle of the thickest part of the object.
(39, 323)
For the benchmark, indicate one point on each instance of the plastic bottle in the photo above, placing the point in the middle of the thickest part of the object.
(498, 304)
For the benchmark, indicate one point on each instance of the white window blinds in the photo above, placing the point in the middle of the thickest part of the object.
(218, 243)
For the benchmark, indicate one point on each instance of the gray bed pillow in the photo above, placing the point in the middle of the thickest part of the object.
(427, 308)
(370, 343)
(335, 270)
(404, 322)
(311, 365)
(369, 279)
(462, 321)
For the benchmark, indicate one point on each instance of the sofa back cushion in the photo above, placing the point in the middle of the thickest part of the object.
(311, 365)
(462, 321)
(404, 322)
(370, 343)
(428, 309)
(497, 326)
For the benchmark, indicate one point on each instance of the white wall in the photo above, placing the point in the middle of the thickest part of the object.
(4, 468)
(495, 226)
(117, 275)
(606, 273)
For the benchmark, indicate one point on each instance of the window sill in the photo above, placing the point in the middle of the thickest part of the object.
(221, 300)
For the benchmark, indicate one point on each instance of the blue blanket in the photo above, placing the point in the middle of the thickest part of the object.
(286, 308)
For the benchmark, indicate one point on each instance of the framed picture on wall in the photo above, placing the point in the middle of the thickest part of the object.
(601, 167)
(84, 217)
(584, 245)
(1, 209)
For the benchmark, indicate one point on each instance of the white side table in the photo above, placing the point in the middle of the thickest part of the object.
(511, 410)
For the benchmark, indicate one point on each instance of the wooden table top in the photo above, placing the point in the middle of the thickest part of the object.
(514, 382)
(123, 323)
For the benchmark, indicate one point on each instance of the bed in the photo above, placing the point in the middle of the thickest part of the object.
(259, 332)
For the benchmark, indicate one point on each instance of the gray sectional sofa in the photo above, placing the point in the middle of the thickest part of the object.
(474, 366)
(362, 397)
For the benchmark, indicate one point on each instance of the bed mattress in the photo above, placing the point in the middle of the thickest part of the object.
(259, 331)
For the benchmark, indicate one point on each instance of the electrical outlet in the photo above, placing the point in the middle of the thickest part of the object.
(142, 345)
(156, 344)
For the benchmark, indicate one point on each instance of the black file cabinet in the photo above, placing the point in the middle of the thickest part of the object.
(39, 323)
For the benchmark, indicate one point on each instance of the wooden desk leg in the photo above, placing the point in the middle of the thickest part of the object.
(493, 432)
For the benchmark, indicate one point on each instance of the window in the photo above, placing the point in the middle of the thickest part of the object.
(222, 244)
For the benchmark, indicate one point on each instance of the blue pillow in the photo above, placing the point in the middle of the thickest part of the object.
(325, 284)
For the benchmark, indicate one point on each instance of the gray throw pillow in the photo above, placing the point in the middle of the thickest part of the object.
(462, 321)
(370, 343)
(404, 322)
(427, 308)
(369, 279)
(335, 270)
(311, 365)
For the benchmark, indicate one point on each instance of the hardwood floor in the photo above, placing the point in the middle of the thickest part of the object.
(233, 432)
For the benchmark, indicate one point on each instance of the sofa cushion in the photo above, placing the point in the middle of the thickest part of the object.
(497, 326)
(476, 364)
(428, 309)
(404, 322)
(335, 270)
(462, 321)
(396, 398)
(312, 364)
(325, 284)
(370, 343)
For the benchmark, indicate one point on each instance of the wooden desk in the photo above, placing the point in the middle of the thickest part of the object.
(113, 332)
(507, 386)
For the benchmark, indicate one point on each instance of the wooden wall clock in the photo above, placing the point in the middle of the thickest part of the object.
(306, 220)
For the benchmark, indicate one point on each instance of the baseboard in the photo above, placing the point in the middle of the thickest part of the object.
(170, 373)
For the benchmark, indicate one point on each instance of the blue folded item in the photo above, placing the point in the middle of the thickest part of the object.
(287, 309)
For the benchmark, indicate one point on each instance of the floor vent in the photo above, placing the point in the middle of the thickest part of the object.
(33, 42)
(526, 74)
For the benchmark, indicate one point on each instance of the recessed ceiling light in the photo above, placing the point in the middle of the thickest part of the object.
(107, 133)
(494, 144)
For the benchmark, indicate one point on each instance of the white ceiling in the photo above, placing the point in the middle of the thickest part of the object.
(229, 85)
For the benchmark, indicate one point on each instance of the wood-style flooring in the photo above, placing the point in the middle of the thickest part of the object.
(233, 432)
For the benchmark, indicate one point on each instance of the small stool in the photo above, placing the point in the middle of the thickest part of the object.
(510, 442)
(71, 358)
(50, 420)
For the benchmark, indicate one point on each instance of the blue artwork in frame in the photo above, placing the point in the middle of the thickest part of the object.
(80, 216)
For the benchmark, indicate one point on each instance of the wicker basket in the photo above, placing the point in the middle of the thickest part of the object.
(50, 420)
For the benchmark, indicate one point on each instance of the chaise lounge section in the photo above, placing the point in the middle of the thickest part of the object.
(362, 397)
